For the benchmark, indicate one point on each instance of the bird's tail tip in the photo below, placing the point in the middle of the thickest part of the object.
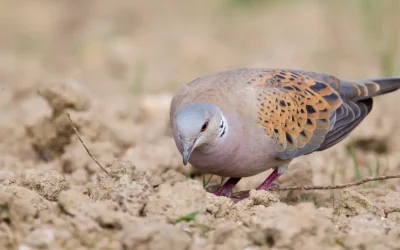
(380, 86)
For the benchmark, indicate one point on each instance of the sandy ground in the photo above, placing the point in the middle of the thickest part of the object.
(54, 196)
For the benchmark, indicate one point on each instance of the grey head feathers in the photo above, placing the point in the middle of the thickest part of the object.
(199, 124)
(196, 118)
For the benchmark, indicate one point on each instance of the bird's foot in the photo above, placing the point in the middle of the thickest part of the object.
(223, 191)
(246, 194)
(271, 186)
(227, 189)
(240, 196)
(269, 182)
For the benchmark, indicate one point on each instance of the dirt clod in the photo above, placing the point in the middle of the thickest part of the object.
(154, 235)
(353, 203)
(64, 95)
(102, 212)
(174, 201)
(366, 223)
(48, 183)
(390, 203)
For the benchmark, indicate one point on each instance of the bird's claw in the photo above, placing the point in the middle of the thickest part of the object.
(226, 192)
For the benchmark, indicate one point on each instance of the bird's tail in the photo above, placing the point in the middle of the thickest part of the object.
(368, 88)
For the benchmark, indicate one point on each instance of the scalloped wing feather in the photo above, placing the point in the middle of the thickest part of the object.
(307, 111)
(295, 110)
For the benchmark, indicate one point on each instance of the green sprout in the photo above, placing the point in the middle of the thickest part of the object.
(188, 217)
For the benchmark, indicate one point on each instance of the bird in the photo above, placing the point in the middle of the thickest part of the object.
(240, 122)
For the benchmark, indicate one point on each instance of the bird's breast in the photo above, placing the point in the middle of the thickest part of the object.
(245, 151)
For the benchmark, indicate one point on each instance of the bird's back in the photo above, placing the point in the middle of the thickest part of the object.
(221, 88)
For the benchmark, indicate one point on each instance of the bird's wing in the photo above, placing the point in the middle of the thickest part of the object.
(304, 111)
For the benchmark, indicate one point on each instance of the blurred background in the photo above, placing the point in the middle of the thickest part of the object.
(155, 46)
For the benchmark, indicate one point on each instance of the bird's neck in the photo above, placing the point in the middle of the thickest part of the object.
(214, 154)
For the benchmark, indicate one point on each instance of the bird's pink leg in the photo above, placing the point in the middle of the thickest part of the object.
(226, 189)
(269, 182)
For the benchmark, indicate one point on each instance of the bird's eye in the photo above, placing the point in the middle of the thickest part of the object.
(205, 125)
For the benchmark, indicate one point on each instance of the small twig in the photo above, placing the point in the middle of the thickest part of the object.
(351, 184)
(245, 193)
(83, 144)
(205, 183)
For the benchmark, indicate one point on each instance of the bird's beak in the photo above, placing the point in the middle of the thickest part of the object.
(188, 147)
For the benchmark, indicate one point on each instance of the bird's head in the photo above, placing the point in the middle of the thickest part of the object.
(199, 124)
